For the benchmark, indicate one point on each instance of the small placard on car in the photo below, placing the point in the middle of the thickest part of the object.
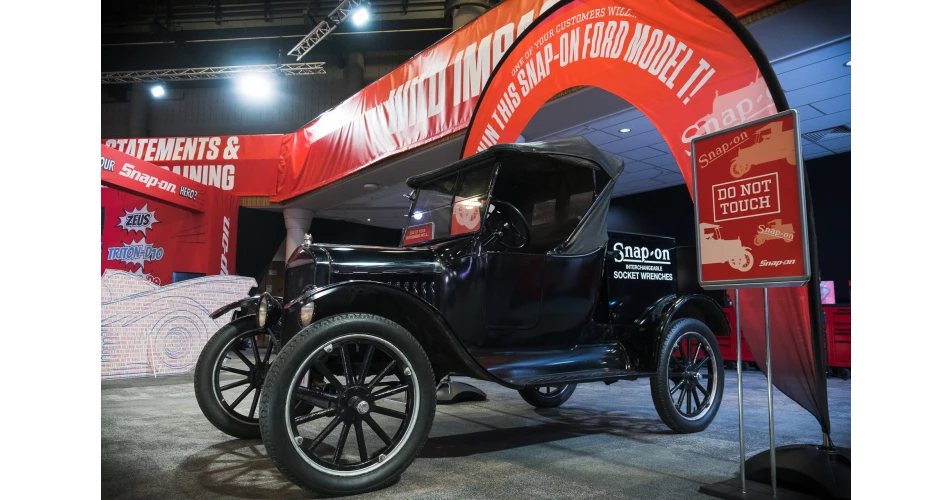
(418, 234)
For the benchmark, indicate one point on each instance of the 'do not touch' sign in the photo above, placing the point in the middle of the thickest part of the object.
(749, 205)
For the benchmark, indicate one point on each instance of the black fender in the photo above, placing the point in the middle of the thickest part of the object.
(245, 303)
(645, 339)
(444, 348)
(248, 303)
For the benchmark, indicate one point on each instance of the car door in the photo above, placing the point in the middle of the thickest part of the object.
(534, 295)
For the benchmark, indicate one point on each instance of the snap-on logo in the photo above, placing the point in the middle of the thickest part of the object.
(129, 171)
(641, 255)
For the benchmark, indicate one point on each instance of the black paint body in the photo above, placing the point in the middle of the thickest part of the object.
(513, 317)
(592, 307)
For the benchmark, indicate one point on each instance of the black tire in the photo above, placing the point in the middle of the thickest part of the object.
(547, 396)
(357, 341)
(683, 372)
(211, 399)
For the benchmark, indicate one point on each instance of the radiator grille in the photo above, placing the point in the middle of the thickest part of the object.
(296, 279)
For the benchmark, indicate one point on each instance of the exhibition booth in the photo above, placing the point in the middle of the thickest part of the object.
(170, 214)
(163, 226)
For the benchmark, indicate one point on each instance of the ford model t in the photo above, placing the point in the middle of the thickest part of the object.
(506, 273)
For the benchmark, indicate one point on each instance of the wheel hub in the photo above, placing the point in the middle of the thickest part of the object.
(258, 374)
(359, 405)
(353, 402)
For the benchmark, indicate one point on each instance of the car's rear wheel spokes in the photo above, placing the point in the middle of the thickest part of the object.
(239, 375)
(371, 388)
(692, 375)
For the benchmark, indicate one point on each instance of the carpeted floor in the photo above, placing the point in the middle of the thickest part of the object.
(605, 442)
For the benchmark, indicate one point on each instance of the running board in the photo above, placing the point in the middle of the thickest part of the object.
(577, 377)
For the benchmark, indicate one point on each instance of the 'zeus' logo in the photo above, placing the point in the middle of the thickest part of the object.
(139, 220)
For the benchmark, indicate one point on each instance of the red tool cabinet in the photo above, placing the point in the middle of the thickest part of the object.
(837, 337)
(729, 344)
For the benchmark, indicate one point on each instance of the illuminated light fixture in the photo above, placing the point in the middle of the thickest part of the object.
(368, 220)
(360, 16)
(158, 91)
(417, 215)
(847, 63)
(625, 130)
(255, 86)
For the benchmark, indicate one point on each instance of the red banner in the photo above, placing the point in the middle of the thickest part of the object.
(130, 173)
(749, 201)
(680, 64)
(240, 165)
(434, 94)
(431, 96)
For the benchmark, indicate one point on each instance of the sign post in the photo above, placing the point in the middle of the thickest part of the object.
(750, 211)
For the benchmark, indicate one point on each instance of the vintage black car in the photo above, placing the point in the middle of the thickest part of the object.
(507, 273)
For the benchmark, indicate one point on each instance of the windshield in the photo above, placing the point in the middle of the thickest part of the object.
(449, 206)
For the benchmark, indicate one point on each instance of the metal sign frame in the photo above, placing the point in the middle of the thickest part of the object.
(801, 192)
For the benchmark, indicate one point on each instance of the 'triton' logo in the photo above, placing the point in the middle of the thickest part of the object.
(136, 253)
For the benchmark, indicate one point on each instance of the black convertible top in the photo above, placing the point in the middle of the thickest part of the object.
(592, 231)
(562, 149)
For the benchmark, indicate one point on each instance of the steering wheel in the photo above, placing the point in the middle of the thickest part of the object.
(512, 233)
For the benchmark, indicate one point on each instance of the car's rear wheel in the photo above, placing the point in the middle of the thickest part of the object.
(689, 384)
(229, 376)
(547, 396)
(371, 427)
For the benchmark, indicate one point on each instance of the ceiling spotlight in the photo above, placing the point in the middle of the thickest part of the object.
(625, 130)
(370, 186)
(360, 16)
(417, 215)
(255, 85)
(847, 63)
(368, 220)
(157, 90)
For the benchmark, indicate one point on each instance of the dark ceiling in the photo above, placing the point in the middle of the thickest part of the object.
(159, 34)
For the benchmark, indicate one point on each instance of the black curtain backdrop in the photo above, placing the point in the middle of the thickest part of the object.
(260, 233)
(670, 212)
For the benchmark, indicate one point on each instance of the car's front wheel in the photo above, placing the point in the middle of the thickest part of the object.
(689, 384)
(547, 396)
(371, 419)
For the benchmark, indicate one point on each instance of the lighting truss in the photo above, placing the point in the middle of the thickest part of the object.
(325, 27)
(210, 73)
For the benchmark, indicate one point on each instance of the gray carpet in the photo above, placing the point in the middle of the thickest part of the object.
(605, 442)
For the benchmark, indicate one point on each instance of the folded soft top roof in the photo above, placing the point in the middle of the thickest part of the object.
(575, 147)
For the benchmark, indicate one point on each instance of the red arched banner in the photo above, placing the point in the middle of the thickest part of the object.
(692, 69)
(682, 66)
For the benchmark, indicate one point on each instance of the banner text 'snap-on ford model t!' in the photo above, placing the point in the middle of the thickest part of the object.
(507, 273)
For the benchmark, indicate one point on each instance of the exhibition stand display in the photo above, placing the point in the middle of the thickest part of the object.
(163, 226)
(696, 74)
